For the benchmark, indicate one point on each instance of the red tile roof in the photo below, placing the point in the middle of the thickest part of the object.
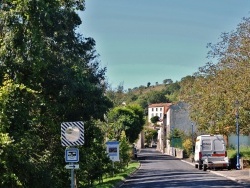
(159, 105)
(165, 105)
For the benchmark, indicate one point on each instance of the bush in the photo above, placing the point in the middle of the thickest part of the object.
(244, 152)
(187, 146)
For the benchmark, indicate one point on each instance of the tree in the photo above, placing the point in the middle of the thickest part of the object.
(168, 81)
(125, 152)
(94, 161)
(148, 84)
(156, 97)
(150, 135)
(49, 74)
(129, 118)
(172, 91)
(212, 92)
(155, 119)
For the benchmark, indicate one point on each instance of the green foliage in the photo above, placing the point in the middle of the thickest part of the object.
(168, 81)
(148, 84)
(176, 133)
(156, 97)
(212, 92)
(128, 118)
(118, 178)
(125, 152)
(144, 96)
(244, 152)
(188, 146)
(49, 74)
(155, 119)
(176, 137)
(150, 135)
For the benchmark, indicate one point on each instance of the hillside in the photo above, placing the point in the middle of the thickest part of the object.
(144, 96)
(145, 89)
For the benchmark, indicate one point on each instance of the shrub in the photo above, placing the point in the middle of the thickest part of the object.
(187, 146)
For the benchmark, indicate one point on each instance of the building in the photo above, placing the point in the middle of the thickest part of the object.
(178, 118)
(158, 109)
(172, 116)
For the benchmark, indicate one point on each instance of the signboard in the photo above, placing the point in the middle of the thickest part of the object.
(72, 133)
(72, 166)
(71, 155)
(113, 150)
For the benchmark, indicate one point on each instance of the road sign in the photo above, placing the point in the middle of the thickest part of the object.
(71, 155)
(72, 166)
(72, 133)
(113, 150)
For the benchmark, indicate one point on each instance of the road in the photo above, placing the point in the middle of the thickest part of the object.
(158, 170)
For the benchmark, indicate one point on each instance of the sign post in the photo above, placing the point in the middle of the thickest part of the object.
(113, 151)
(72, 134)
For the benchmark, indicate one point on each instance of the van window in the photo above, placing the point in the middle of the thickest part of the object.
(218, 145)
(206, 145)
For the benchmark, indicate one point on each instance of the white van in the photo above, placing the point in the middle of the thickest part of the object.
(210, 152)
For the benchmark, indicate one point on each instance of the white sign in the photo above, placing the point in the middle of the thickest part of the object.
(113, 150)
(72, 166)
(71, 155)
(72, 133)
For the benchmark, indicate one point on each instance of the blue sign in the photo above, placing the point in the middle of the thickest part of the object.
(71, 155)
(113, 150)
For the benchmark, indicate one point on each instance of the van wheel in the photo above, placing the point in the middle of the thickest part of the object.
(200, 167)
(204, 167)
(196, 165)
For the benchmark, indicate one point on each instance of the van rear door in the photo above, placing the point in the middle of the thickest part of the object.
(219, 148)
(206, 147)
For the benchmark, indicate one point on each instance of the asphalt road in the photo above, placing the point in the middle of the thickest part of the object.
(159, 170)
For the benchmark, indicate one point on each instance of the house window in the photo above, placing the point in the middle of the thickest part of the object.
(160, 115)
(152, 109)
(156, 109)
(160, 109)
(152, 115)
(156, 114)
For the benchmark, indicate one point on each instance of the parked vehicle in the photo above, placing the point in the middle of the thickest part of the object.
(210, 152)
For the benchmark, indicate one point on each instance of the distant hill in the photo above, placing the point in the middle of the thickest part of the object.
(145, 89)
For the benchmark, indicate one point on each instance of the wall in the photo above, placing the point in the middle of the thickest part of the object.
(243, 141)
(179, 118)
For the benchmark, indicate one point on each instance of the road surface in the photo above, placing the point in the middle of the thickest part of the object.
(159, 170)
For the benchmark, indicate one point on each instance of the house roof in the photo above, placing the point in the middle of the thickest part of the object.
(165, 105)
(159, 105)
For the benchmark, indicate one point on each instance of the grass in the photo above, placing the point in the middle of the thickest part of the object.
(113, 181)
(244, 152)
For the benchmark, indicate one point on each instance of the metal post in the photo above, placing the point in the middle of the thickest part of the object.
(72, 177)
(113, 168)
(238, 141)
(193, 139)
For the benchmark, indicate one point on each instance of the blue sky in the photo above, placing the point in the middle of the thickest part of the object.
(141, 41)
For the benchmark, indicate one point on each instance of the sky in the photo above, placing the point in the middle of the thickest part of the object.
(141, 41)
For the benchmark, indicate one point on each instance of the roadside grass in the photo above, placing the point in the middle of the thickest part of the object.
(110, 182)
(244, 152)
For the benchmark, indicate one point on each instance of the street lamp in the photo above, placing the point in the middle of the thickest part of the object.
(238, 135)
(193, 138)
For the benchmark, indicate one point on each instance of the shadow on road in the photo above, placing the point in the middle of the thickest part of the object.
(160, 170)
(152, 154)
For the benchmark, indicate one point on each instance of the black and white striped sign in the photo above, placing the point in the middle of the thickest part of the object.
(72, 133)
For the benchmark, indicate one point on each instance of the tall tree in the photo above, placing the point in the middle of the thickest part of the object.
(49, 74)
(127, 118)
(216, 87)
